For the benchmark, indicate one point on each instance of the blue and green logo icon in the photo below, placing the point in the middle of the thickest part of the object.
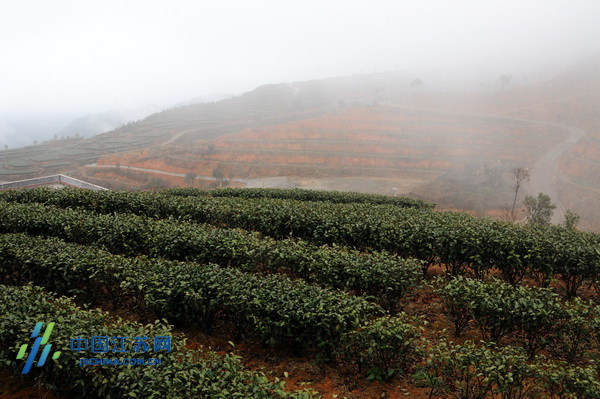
(39, 341)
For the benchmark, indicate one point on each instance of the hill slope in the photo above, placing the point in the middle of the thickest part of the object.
(370, 133)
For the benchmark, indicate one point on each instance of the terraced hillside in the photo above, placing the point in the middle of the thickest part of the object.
(294, 293)
(264, 106)
(68, 154)
(382, 148)
(569, 102)
(454, 149)
(369, 133)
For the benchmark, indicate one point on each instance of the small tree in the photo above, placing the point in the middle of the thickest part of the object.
(571, 220)
(156, 183)
(539, 210)
(219, 175)
(417, 84)
(190, 178)
(517, 177)
(505, 80)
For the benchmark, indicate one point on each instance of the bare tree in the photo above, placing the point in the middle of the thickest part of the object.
(517, 177)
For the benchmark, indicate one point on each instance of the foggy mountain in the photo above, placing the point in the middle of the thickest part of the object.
(429, 135)
(22, 130)
(92, 124)
(206, 98)
(469, 120)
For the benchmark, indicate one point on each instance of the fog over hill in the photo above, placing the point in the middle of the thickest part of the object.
(205, 98)
(303, 171)
(92, 124)
(431, 98)
(65, 57)
(386, 132)
(24, 130)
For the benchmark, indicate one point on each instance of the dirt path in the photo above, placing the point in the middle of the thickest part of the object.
(543, 173)
(178, 135)
(157, 171)
(279, 182)
(241, 124)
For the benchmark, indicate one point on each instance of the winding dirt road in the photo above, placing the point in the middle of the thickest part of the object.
(157, 171)
(249, 182)
(543, 173)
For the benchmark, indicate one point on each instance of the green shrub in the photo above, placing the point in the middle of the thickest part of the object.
(340, 197)
(182, 373)
(537, 315)
(562, 380)
(276, 308)
(385, 277)
(384, 347)
(468, 371)
(464, 244)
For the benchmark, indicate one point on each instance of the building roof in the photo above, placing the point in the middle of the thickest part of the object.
(56, 181)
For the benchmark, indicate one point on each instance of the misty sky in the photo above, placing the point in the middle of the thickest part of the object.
(78, 56)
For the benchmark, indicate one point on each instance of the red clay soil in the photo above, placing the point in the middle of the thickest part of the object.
(359, 140)
(332, 380)
(305, 370)
(13, 387)
(386, 142)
